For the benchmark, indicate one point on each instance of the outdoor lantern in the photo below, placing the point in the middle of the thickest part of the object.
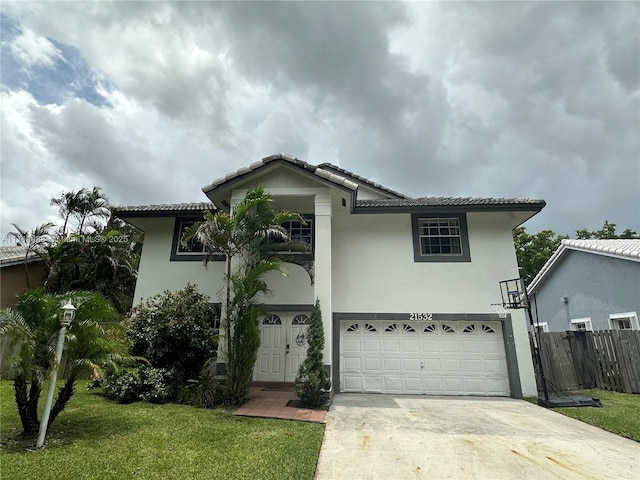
(68, 314)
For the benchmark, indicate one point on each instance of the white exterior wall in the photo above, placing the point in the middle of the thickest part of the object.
(374, 271)
(157, 274)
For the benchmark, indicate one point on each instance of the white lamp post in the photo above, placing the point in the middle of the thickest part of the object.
(68, 314)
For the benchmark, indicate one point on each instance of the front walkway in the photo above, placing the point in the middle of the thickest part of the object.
(270, 401)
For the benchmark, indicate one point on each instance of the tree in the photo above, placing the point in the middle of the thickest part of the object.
(533, 251)
(34, 241)
(68, 204)
(93, 203)
(312, 379)
(174, 331)
(248, 240)
(33, 329)
(608, 231)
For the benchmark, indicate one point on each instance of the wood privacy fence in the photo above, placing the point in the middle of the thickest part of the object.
(607, 359)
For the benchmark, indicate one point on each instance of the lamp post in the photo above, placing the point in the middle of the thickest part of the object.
(68, 314)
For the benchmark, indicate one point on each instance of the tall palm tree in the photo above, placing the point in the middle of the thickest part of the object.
(247, 239)
(33, 329)
(68, 206)
(35, 241)
(93, 203)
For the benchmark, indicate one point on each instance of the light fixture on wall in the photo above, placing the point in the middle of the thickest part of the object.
(564, 299)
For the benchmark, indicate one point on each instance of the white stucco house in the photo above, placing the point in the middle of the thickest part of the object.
(405, 284)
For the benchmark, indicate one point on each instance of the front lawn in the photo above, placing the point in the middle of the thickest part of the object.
(620, 414)
(97, 439)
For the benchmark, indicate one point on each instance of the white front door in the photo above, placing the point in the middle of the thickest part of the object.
(283, 347)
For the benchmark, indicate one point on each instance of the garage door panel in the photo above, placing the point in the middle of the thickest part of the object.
(412, 365)
(452, 365)
(392, 384)
(353, 383)
(351, 344)
(410, 345)
(391, 344)
(352, 364)
(440, 358)
(373, 384)
(372, 364)
(371, 344)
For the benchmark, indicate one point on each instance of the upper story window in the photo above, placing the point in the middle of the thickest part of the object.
(299, 232)
(440, 238)
(188, 250)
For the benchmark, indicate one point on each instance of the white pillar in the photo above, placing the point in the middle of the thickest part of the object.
(322, 268)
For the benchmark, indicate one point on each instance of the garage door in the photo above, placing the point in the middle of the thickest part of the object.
(438, 358)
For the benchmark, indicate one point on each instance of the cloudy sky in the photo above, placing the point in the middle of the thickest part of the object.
(151, 100)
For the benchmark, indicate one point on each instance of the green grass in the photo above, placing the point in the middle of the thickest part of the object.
(620, 413)
(97, 439)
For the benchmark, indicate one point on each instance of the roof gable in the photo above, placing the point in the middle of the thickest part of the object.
(625, 249)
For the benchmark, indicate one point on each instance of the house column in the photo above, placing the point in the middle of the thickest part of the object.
(322, 268)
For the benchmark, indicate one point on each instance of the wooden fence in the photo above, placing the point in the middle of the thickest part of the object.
(608, 359)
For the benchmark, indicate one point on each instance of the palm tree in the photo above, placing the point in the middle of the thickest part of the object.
(33, 329)
(36, 240)
(247, 237)
(68, 205)
(93, 203)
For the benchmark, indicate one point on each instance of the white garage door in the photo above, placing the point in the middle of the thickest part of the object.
(438, 358)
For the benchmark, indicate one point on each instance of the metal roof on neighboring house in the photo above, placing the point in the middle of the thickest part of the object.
(626, 249)
(13, 255)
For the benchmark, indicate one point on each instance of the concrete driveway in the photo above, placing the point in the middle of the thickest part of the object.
(403, 437)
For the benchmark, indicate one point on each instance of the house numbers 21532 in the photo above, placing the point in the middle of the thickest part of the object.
(421, 316)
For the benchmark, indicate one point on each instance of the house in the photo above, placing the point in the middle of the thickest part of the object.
(14, 271)
(405, 284)
(589, 285)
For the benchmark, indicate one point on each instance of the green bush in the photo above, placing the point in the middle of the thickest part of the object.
(174, 331)
(154, 385)
(312, 380)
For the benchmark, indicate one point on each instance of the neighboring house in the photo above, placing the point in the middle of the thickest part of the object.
(13, 274)
(405, 284)
(589, 285)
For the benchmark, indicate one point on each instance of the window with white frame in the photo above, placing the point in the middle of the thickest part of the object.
(581, 325)
(541, 327)
(624, 321)
(440, 238)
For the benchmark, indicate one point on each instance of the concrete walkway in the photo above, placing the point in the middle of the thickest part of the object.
(271, 402)
(404, 437)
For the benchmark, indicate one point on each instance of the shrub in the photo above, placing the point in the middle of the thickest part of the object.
(174, 331)
(146, 383)
(312, 379)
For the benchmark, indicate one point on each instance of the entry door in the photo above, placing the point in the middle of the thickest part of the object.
(296, 346)
(270, 363)
(283, 347)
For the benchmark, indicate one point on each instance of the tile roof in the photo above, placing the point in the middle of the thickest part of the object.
(327, 175)
(11, 255)
(330, 166)
(449, 202)
(164, 208)
(626, 249)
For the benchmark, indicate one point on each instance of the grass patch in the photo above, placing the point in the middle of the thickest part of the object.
(620, 413)
(95, 438)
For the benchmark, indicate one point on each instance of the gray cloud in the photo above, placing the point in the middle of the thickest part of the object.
(535, 99)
